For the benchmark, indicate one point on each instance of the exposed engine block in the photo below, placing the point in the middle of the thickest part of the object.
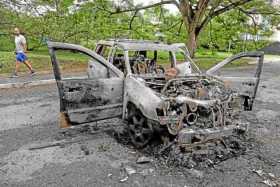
(197, 103)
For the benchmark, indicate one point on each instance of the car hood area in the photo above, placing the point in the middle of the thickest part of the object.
(197, 87)
(192, 102)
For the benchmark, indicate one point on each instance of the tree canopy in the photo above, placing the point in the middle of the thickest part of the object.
(215, 27)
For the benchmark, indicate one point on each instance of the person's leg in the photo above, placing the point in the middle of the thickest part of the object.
(29, 66)
(17, 67)
(15, 73)
(17, 64)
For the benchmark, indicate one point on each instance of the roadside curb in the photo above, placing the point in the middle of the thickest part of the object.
(27, 84)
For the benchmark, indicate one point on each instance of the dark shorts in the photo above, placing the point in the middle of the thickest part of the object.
(21, 57)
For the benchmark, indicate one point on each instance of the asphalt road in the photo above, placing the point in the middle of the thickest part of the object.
(29, 117)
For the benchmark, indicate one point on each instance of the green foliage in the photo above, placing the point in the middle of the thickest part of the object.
(92, 22)
(225, 32)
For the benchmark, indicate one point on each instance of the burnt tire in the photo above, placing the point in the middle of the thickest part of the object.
(140, 130)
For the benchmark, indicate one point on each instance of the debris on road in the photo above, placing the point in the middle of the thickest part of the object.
(259, 172)
(196, 173)
(143, 160)
(268, 178)
(48, 145)
(124, 179)
(60, 143)
(168, 146)
(85, 149)
(110, 175)
(147, 172)
(129, 170)
(103, 147)
(269, 183)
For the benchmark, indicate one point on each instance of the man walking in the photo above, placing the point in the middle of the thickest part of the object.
(21, 50)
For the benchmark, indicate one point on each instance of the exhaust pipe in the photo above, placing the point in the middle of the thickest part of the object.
(191, 118)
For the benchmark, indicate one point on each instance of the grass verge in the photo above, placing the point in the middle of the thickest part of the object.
(74, 62)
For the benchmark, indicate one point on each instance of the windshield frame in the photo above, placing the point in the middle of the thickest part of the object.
(172, 61)
(128, 67)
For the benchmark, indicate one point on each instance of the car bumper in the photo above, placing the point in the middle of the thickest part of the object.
(189, 136)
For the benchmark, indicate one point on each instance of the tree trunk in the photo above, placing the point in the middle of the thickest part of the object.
(193, 30)
(192, 43)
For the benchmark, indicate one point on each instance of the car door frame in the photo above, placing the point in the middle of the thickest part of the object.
(255, 78)
(54, 46)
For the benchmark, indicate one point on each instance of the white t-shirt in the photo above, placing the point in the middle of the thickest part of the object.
(20, 41)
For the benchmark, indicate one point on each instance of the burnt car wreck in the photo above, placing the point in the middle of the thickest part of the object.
(125, 79)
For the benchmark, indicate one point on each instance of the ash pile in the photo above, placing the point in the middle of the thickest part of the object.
(199, 156)
(202, 156)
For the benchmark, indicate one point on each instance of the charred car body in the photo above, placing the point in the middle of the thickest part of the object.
(125, 79)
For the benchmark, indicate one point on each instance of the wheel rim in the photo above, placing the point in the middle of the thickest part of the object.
(140, 131)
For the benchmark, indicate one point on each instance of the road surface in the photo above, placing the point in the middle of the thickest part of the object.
(29, 117)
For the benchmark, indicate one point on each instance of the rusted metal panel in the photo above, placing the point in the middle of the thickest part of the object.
(64, 120)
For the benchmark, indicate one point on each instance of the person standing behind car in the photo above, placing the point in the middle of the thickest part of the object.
(21, 50)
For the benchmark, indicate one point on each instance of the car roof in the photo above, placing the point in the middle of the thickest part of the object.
(140, 45)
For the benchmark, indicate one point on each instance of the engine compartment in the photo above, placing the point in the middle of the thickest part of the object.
(199, 87)
(195, 102)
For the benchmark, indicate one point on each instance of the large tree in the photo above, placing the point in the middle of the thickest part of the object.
(196, 14)
(94, 21)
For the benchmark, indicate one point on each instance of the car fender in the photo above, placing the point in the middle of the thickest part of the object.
(142, 97)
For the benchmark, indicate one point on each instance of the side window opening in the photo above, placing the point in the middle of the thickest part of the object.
(118, 59)
(243, 67)
(78, 65)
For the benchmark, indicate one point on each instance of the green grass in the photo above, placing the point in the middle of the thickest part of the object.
(74, 61)
(41, 61)
(205, 59)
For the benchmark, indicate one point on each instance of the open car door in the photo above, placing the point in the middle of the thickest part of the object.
(243, 80)
(96, 96)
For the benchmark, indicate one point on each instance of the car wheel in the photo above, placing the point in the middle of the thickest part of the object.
(139, 129)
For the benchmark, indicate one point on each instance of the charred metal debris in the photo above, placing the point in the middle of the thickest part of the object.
(126, 79)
